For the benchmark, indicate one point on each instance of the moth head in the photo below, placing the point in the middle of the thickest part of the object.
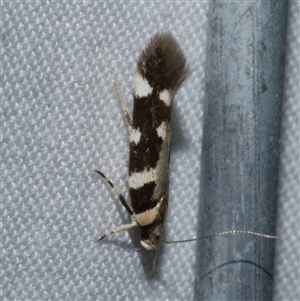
(147, 244)
(150, 236)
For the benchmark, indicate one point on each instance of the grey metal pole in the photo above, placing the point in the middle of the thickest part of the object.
(240, 156)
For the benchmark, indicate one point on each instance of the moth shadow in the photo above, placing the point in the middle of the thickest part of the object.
(178, 140)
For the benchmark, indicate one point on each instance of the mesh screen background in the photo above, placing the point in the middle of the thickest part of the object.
(287, 260)
(61, 120)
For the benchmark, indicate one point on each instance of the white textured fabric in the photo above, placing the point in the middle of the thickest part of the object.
(61, 120)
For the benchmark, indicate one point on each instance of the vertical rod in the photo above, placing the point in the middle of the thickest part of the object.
(240, 156)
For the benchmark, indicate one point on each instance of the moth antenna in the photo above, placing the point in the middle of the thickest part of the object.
(122, 228)
(117, 191)
(127, 136)
(123, 105)
(220, 234)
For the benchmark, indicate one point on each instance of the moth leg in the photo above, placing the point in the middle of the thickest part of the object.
(123, 105)
(118, 229)
(117, 192)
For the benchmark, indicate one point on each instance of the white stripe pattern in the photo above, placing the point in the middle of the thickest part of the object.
(135, 135)
(141, 86)
(165, 97)
(147, 217)
(162, 130)
(139, 179)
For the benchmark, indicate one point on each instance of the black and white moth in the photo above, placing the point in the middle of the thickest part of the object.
(161, 71)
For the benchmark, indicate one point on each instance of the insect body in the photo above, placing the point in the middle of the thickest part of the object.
(161, 70)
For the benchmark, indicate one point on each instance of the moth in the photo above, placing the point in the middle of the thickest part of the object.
(161, 70)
